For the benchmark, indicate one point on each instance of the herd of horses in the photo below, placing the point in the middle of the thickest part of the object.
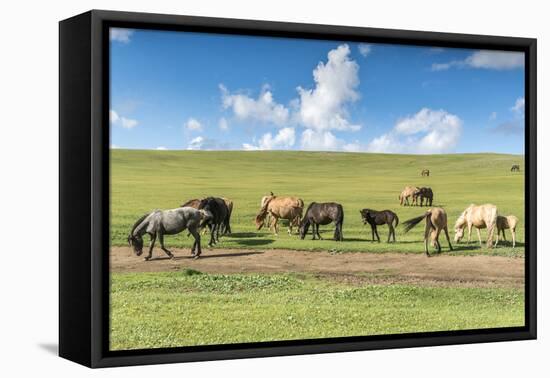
(214, 214)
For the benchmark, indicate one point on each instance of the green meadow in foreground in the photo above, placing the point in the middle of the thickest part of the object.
(145, 180)
(153, 310)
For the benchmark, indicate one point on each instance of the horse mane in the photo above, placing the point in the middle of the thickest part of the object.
(189, 202)
(409, 224)
(305, 214)
(138, 222)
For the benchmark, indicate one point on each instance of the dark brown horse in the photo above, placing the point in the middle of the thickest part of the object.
(422, 194)
(322, 214)
(377, 218)
(217, 216)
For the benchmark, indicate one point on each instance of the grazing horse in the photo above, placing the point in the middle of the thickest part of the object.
(226, 228)
(507, 222)
(322, 214)
(425, 172)
(422, 194)
(218, 211)
(289, 208)
(168, 222)
(482, 216)
(436, 220)
(262, 203)
(515, 168)
(377, 218)
(406, 193)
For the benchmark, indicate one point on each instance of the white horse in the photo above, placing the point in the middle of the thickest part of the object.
(482, 216)
(507, 222)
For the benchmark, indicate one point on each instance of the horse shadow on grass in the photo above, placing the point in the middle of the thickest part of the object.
(205, 255)
(244, 235)
(238, 254)
(254, 242)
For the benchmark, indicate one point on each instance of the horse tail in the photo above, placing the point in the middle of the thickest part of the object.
(396, 219)
(137, 223)
(341, 209)
(409, 224)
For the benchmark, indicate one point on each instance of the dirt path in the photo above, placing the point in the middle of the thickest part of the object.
(478, 271)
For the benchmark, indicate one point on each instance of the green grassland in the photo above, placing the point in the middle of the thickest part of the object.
(152, 310)
(145, 180)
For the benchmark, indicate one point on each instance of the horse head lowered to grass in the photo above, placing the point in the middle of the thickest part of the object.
(167, 222)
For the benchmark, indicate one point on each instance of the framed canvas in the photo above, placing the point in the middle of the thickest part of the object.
(235, 188)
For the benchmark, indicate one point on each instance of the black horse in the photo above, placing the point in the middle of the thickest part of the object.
(218, 217)
(424, 194)
(377, 218)
(322, 214)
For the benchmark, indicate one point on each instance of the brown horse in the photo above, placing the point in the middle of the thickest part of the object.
(289, 208)
(507, 222)
(422, 194)
(436, 220)
(407, 193)
(482, 216)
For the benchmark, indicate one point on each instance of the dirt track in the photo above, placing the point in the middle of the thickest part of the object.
(479, 271)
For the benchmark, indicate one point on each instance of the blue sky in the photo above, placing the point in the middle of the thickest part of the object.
(176, 90)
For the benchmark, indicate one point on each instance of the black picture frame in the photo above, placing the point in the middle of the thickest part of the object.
(84, 187)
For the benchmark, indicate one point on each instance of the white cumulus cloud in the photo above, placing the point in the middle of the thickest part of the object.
(284, 139)
(324, 107)
(196, 143)
(117, 119)
(519, 107)
(193, 125)
(426, 132)
(120, 34)
(486, 59)
(263, 109)
(364, 49)
(128, 123)
(313, 140)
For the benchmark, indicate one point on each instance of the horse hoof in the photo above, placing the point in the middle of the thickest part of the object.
(146, 258)
(195, 257)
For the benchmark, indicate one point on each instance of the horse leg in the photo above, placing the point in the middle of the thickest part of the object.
(479, 237)
(376, 232)
(318, 234)
(490, 238)
(372, 231)
(498, 237)
(166, 250)
(438, 246)
(469, 233)
(448, 238)
(196, 244)
(390, 231)
(150, 254)
(276, 225)
(212, 229)
(426, 236)
(513, 230)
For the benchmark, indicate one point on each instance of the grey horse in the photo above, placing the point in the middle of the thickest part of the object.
(167, 222)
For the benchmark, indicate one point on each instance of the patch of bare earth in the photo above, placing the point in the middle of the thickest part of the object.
(353, 268)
